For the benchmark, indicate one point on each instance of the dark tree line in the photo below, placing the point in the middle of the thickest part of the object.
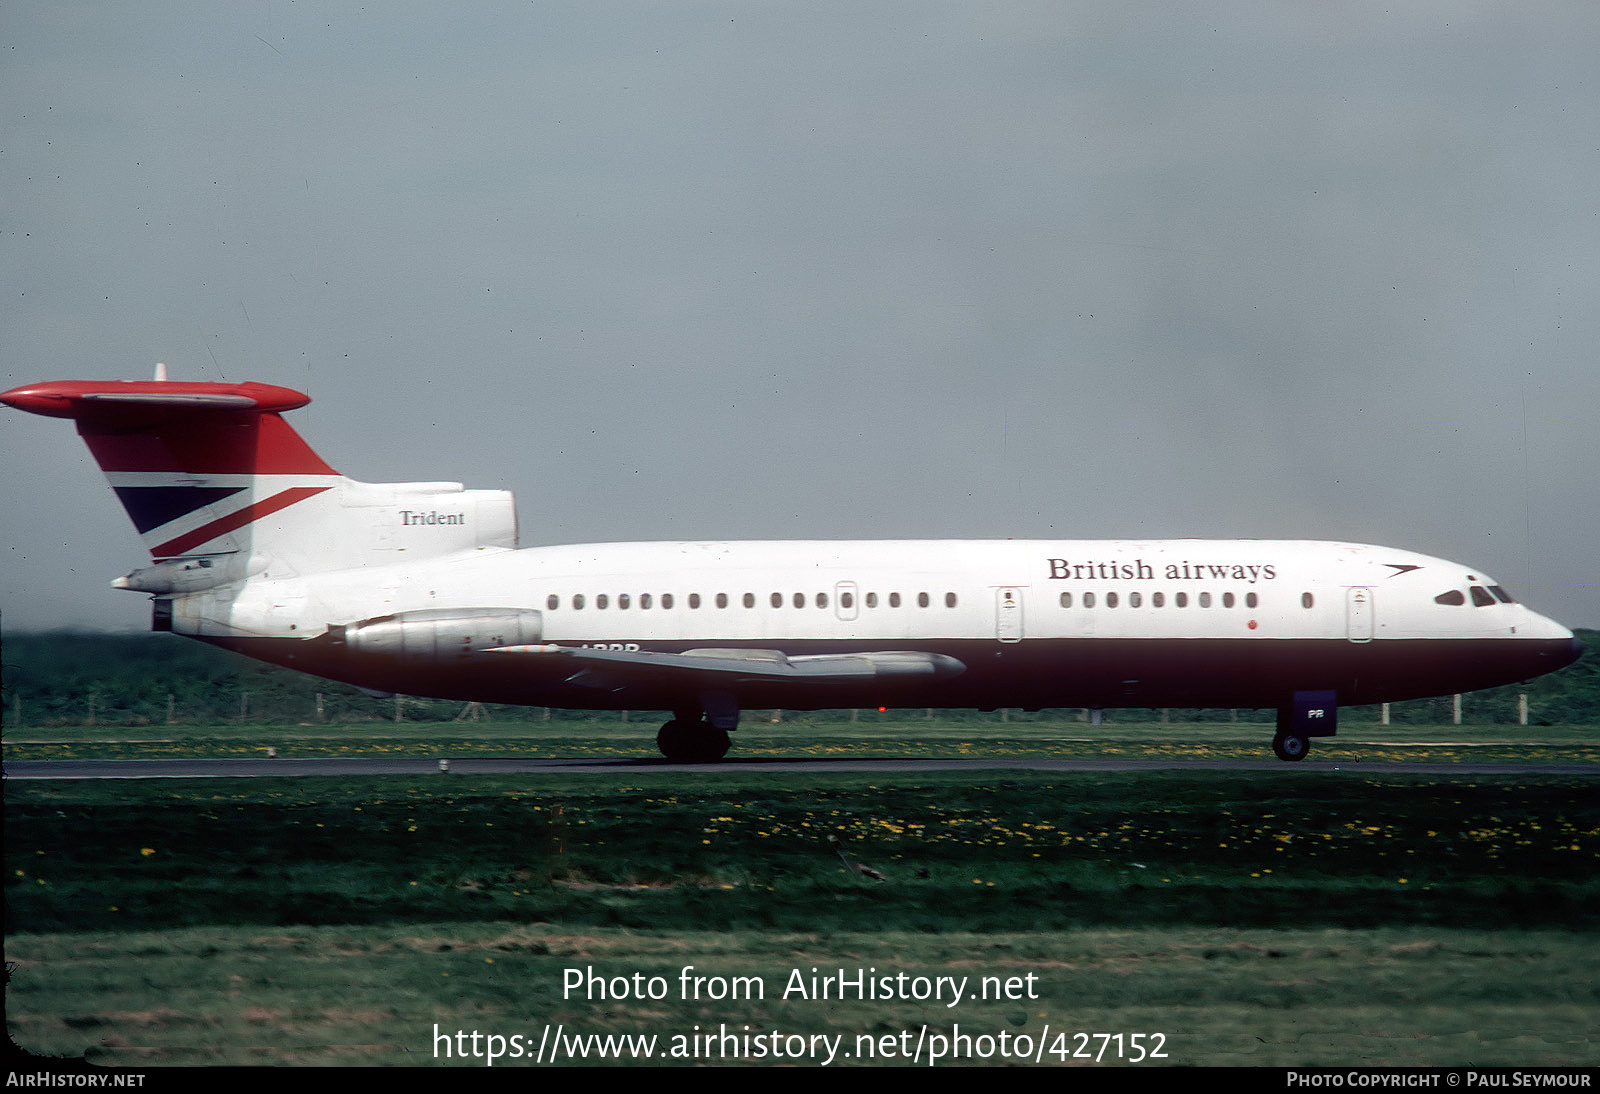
(152, 679)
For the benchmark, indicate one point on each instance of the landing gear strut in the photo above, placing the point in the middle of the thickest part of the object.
(692, 741)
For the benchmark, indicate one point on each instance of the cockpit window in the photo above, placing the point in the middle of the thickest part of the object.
(1454, 597)
(1480, 596)
(1501, 595)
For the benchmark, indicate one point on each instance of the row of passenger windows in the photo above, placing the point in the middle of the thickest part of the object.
(1179, 600)
(1481, 597)
(646, 601)
(847, 600)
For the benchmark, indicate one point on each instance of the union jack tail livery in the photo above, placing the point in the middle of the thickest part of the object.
(221, 488)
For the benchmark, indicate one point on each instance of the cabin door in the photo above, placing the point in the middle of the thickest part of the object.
(1358, 614)
(1008, 614)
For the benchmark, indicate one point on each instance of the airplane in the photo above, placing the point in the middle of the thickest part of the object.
(420, 588)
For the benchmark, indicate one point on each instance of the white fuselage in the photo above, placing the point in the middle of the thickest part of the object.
(1034, 622)
(914, 590)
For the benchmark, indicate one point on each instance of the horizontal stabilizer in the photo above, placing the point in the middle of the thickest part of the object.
(139, 398)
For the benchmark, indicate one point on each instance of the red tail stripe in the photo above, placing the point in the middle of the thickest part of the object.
(217, 444)
(224, 525)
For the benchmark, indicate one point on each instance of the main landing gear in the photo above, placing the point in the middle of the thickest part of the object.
(692, 741)
(693, 737)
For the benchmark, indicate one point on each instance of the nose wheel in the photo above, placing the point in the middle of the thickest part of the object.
(1291, 746)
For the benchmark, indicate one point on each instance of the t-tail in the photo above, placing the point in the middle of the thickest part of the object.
(222, 489)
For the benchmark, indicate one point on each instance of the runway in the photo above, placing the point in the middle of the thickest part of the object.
(361, 767)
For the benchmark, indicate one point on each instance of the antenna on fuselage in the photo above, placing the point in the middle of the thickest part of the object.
(161, 372)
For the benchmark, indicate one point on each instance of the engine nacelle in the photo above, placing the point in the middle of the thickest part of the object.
(184, 576)
(439, 634)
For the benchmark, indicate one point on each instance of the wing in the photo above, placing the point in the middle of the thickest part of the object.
(727, 669)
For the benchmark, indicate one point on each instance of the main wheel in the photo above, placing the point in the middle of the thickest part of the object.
(711, 743)
(1291, 746)
(675, 739)
(686, 742)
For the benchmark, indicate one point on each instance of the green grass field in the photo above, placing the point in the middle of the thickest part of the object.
(1282, 916)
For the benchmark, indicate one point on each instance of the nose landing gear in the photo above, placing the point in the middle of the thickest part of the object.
(1291, 746)
(1309, 714)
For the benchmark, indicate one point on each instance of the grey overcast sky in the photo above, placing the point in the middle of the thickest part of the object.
(830, 269)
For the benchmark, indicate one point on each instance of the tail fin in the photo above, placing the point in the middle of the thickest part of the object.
(219, 486)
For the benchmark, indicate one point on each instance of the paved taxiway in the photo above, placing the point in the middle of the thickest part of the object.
(359, 767)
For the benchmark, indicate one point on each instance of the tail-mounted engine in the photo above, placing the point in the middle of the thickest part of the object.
(439, 634)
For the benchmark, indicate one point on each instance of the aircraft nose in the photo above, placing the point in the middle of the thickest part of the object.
(1557, 653)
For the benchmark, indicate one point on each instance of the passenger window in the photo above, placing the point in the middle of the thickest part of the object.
(1306, 600)
(1455, 598)
(1134, 600)
(1181, 600)
(1251, 600)
(799, 600)
(694, 600)
(644, 601)
(623, 601)
(722, 600)
(822, 600)
(552, 602)
(601, 601)
(1158, 600)
(1088, 600)
(949, 600)
(894, 600)
(1205, 600)
(666, 600)
(1066, 600)
(577, 601)
(749, 600)
(777, 600)
(872, 600)
(1227, 600)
